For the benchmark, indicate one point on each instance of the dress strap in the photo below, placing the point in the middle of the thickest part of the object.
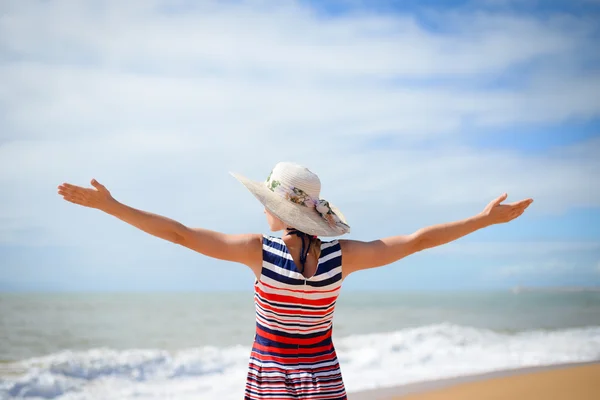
(303, 236)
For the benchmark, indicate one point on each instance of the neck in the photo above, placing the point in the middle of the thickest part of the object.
(305, 246)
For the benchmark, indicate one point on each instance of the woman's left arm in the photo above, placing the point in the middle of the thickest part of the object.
(359, 255)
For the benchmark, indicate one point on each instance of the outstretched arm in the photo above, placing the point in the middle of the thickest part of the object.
(245, 249)
(358, 255)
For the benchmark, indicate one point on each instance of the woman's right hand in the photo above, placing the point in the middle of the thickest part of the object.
(98, 197)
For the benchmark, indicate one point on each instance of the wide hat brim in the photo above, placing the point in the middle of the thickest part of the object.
(301, 217)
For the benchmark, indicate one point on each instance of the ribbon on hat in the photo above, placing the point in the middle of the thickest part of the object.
(334, 221)
(299, 196)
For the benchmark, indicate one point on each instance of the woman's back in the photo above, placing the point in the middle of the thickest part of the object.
(293, 354)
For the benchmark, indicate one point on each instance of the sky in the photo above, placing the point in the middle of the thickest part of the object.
(412, 113)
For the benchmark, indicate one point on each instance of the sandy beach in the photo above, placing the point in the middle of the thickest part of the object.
(568, 382)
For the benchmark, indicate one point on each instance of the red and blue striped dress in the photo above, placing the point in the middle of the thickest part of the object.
(293, 356)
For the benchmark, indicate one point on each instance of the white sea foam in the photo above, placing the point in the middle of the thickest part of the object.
(368, 361)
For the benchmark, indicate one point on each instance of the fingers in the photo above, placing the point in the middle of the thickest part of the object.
(97, 185)
(65, 188)
(69, 186)
(500, 199)
(526, 203)
(89, 197)
(75, 199)
(73, 194)
(521, 203)
(518, 208)
(68, 189)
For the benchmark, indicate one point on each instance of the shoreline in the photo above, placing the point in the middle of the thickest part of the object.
(425, 388)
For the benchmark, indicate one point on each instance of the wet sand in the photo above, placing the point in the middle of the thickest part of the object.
(560, 382)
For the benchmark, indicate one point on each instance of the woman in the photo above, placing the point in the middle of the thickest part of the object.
(298, 277)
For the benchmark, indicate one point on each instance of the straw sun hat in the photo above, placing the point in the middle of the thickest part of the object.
(292, 194)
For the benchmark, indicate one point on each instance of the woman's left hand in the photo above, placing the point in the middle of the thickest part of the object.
(496, 213)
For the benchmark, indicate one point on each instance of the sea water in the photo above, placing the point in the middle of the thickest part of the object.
(196, 345)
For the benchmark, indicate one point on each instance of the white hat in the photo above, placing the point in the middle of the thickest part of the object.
(291, 193)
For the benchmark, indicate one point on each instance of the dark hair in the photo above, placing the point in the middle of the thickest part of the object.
(314, 243)
(315, 246)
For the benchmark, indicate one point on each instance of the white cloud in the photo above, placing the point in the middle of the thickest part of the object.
(279, 36)
(132, 63)
(160, 105)
(546, 267)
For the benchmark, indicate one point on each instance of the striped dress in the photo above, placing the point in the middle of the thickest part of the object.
(293, 356)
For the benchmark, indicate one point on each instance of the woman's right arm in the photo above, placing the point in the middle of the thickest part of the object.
(245, 248)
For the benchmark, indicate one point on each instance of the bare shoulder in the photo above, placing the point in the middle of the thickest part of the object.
(250, 239)
(358, 255)
(347, 246)
(248, 246)
(355, 254)
(354, 247)
(245, 248)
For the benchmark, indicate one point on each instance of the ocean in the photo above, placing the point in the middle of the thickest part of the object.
(92, 346)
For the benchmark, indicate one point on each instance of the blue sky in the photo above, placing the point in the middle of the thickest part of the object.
(412, 113)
